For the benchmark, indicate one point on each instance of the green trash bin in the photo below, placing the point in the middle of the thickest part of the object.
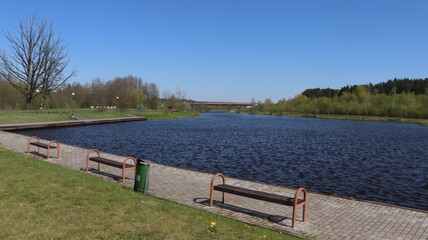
(142, 176)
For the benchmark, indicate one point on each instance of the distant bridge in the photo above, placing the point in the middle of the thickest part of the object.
(232, 104)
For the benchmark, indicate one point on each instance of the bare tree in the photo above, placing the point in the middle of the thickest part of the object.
(180, 94)
(153, 96)
(166, 94)
(36, 61)
(98, 93)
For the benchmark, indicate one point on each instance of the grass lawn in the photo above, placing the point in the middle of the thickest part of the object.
(21, 116)
(39, 200)
(423, 122)
(25, 116)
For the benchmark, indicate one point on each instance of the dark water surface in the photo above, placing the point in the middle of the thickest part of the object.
(384, 162)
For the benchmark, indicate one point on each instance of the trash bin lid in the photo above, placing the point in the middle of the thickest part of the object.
(144, 161)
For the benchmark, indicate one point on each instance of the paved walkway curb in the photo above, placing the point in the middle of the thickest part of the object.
(329, 217)
(79, 122)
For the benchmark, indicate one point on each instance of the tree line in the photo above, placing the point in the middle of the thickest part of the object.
(404, 98)
(121, 92)
(390, 87)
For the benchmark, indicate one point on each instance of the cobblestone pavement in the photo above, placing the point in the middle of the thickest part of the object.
(328, 217)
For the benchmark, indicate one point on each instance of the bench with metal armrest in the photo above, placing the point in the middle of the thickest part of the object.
(122, 165)
(268, 197)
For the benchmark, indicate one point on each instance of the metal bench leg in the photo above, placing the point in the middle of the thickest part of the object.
(87, 164)
(304, 212)
(29, 144)
(28, 148)
(123, 174)
(125, 168)
(212, 189)
(57, 148)
(294, 217)
(87, 158)
(296, 205)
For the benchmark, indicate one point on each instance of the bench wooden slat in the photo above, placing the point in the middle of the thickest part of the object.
(42, 145)
(110, 162)
(269, 197)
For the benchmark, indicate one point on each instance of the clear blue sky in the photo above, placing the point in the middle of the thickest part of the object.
(235, 50)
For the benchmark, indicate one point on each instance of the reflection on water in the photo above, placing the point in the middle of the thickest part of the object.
(384, 162)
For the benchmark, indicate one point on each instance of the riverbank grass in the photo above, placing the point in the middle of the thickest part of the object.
(26, 116)
(423, 122)
(39, 200)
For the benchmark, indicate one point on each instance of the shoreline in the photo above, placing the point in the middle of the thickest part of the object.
(16, 117)
(72, 123)
(422, 122)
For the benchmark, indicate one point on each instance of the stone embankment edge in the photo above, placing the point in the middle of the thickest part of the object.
(23, 126)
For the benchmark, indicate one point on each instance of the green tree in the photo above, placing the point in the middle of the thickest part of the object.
(363, 98)
(135, 97)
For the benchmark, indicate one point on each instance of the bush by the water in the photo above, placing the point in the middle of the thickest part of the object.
(358, 100)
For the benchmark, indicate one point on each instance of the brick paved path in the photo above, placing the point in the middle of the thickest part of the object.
(328, 217)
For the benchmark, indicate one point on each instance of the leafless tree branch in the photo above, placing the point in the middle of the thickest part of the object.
(37, 59)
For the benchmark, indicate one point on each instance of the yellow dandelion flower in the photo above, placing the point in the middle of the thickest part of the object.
(213, 223)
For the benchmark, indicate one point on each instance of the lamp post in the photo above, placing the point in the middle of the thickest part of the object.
(37, 104)
(72, 111)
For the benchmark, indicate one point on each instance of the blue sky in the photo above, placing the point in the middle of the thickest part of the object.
(236, 50)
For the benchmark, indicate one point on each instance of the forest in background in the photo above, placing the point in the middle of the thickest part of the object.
(121, 92)
(404, 98)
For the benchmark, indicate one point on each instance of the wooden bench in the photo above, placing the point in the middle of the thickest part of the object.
(47, 146)
(122, 165)
(268, 197)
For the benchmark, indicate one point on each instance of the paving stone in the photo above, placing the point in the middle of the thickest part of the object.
(328, 217)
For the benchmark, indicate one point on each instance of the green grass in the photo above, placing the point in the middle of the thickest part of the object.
(29, 116)
(39, 200)
(423, 122)
(26, 116)
(149, 114)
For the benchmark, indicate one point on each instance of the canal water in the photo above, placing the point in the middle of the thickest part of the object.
(377, 161)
